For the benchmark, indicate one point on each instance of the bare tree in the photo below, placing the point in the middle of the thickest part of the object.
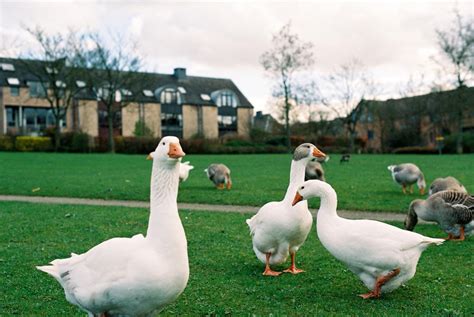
(56, 75)
(351, 83)
(112, 76)
(287, 57)
(456, 45)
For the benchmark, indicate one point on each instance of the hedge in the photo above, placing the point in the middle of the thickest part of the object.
(32, 143)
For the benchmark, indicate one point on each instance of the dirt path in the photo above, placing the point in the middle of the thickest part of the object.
(382, 216)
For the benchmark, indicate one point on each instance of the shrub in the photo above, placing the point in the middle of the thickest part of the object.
(32, 143)
(7, 143)
(141, 129)
(76, 142)
(135, 145)
(415, 150)
(467, 142)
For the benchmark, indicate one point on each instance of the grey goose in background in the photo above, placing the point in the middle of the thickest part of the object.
(219, 174)
(452, 210)
(447, 183)
(314, 169)
(406, 175)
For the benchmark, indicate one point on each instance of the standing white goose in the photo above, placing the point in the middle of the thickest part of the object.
(135, 276)
(383, 256)
(278, 228)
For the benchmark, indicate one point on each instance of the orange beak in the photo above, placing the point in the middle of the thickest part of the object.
(149, 157)
(318, 153)
(175, 151)
(297, 199)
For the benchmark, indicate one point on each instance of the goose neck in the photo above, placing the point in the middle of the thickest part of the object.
(297, 173)
(164, 216)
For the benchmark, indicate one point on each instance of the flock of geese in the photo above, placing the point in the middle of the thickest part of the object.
(141, 275)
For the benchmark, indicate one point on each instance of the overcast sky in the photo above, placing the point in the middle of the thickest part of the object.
(394, 39)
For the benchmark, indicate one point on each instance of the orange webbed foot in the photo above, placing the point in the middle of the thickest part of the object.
(293, 270)
(270, 272)
(369, 295)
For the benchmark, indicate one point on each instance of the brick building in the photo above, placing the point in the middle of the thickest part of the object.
(175, 104)
(415, 121)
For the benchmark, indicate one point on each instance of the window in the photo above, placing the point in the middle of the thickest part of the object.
(370, 134)
(13, 81)
(36, 89)
(205, 97)
(172, 124)
(171, 120)
(226, 121)
(80, 84)
(170, 96)
(227, 124)
(13, 119)
(14, 91)
(148, 93)
(182, 90)
(225, 98)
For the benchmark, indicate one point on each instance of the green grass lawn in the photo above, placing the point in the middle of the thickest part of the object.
(225, 275)
(363, 184)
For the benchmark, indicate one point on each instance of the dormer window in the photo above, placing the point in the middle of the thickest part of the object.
(225, 98)
(7, 67)
(80, 84)
(182, 90)
(170, 96)
(126, 92)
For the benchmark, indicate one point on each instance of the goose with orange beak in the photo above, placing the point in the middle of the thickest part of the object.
(382, 256)
(141, 275)
(280, 229)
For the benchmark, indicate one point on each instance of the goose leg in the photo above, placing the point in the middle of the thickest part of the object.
(411, 189)
(404, 190)
(461, 236)
(292, 269)
(268, 271)
(220, 186)
(381, 280)
(229, 183)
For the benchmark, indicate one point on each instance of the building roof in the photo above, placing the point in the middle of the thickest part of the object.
(444, 101)
(196, 87)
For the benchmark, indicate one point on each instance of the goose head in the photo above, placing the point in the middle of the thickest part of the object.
(307, 151)
(412, 218)
(168, 150)
(311, 188)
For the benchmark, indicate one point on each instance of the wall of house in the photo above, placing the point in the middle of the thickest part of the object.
(210, 126)
(153, 118)
(130, 115)
(244, 121)
(23, 99)
(190, 121)
(88, 117)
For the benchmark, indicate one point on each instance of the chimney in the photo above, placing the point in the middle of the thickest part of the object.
(180, 73)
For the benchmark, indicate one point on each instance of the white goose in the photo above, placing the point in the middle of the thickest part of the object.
(383, 256)
(135, 276)
(278, 228)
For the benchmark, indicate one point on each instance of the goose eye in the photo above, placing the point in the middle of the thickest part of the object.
(164, 143)
(302, 187)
